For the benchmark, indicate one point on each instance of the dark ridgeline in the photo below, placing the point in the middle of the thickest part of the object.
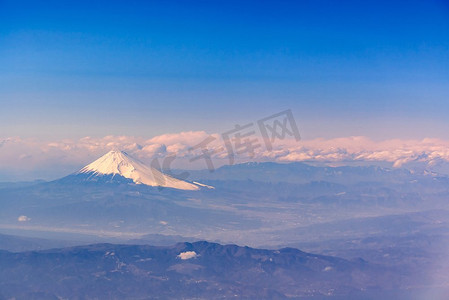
(211, 271)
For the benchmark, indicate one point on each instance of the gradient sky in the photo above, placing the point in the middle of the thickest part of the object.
(373, 68)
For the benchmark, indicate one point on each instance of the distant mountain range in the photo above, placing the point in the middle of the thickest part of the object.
(395, 219)
(199, 270)
(298, 172)
(108, 197)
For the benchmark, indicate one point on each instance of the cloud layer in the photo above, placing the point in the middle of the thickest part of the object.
(45, 159)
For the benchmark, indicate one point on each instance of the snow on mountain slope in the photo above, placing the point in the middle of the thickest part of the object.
(120, 163)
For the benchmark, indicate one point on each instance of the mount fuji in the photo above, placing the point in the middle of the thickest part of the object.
(118, 166)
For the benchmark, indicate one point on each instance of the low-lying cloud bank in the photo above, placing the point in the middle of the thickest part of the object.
(25, 159)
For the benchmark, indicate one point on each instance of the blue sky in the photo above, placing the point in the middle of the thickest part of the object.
(143, 68)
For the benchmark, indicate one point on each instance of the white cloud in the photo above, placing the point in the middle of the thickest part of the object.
(187, 255)
(23, 219)
(187, 137)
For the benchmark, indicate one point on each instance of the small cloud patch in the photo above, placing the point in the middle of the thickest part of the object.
(23, 219)
(187, 255)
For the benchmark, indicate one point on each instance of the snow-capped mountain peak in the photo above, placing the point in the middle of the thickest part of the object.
(122, 164)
